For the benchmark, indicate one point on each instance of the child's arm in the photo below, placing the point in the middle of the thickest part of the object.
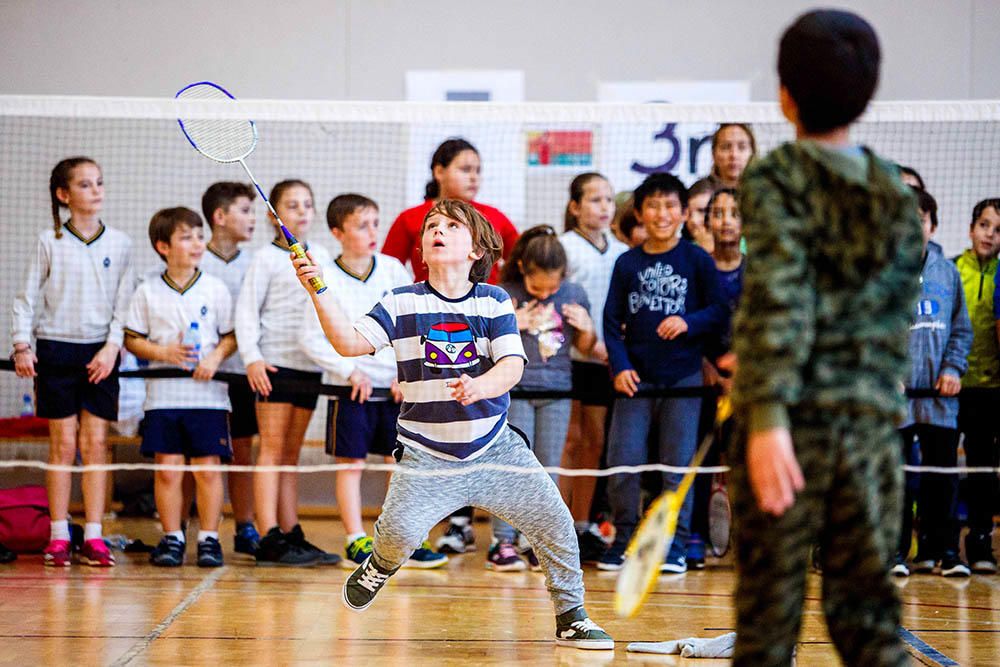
(176, 354)
(495, 382)
(246, 321)
(206, 368)
(338, 329)
(24, 309)
(626, 380)
(710, 317)
(954, 362)
(584, 336)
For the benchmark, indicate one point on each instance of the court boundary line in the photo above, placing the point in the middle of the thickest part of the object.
(139, 647)
(923, 651)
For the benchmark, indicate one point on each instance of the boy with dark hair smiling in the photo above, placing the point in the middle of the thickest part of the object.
(834, 253)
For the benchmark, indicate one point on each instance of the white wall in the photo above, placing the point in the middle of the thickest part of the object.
(360, 49)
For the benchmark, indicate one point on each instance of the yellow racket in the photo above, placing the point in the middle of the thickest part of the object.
(655, 533)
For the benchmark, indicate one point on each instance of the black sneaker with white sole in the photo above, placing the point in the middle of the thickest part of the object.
(209, 553)
(574, 628)
(952, 566)
(364, 584)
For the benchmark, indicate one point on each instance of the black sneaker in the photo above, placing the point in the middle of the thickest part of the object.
(899, 568)
(297, 537)
(168, 553)
(246, 540)
(613, 558)
(458, 539)
(364, 584)
(275, 549)
(574, 628)
(979, 551)
(952, 566)
(6, 555)
(209, 553)
(592, 545)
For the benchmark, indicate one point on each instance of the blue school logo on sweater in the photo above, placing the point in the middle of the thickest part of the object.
(107, 262)
(449, 345)
(661, 289)
(204, 311)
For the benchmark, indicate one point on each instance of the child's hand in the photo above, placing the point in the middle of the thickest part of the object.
(578, 317)
(397, 393)
(627, 382)
(361, 386)
(465, 390)
(525, 314)
(103, 363)
(948, 385)
(306, 269)
(600, 352)
(775, 475)
(672, 327)
(178, 353)
(709, 374)
(257, 377)
(206, 368)
(24, 362)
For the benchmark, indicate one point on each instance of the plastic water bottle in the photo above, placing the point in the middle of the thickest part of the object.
(192, 338)
(27, 407)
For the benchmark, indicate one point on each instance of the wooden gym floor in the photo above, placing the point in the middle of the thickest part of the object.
(136, 614)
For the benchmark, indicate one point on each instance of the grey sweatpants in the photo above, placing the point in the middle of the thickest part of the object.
(529, 502)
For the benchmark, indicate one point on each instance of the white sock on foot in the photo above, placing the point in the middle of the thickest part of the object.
(59, 530)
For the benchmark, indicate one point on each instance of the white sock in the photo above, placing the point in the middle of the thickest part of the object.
(59, 530)
(205, 534)
(91, 531)
(179, 534)
(349, 540)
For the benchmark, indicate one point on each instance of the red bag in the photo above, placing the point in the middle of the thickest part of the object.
(24, 518)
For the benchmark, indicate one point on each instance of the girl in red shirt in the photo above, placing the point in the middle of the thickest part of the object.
(455, 170)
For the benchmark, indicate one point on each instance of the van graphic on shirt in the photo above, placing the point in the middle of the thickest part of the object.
(449, 345)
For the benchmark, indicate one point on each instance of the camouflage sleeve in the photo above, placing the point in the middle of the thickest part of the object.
(774, 323)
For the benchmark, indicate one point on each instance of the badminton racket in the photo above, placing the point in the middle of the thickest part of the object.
(228, 140)
(652, 539)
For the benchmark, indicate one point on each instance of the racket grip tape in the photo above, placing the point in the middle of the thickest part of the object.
(316, 283)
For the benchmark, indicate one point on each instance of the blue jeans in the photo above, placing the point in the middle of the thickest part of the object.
(545, 422)
(631, 420)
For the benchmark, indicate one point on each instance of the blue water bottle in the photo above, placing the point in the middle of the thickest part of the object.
(192, 338)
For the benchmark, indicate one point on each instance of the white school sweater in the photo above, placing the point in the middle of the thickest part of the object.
(356, 295)
(269, 309)
(76, 290)
(590, 267)
(230, 271)
(161, 311)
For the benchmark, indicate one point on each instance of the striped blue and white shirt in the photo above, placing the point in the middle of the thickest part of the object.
(436, 340)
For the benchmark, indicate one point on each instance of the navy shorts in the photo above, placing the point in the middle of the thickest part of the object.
(304, 400)
(592, 384)
(243, 420)
(61, 387)
(354, 430)
(191, 432)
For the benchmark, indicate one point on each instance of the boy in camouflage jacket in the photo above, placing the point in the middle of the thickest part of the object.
(834, 253)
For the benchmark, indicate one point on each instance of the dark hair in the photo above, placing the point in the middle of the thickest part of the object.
(927, 204)
(732, 192)
(222, 195)
(443, 156)
(166, 221)
(977, 211)
(700, 187)
(659, 183)
(715, 141)
(537, 249)
(910, 171)
(343, 205)
(624, 221)
(828, 61)
(279, 190)
(59, 179)
(576, 187)
(484, 238)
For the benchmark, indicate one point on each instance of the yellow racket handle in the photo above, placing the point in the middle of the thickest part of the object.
(316, 283)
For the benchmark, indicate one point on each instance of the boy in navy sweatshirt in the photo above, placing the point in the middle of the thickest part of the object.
(664, 298)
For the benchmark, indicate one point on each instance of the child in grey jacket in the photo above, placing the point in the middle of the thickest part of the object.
(940, 338)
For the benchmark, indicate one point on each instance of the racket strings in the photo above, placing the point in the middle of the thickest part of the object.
(221, 139)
